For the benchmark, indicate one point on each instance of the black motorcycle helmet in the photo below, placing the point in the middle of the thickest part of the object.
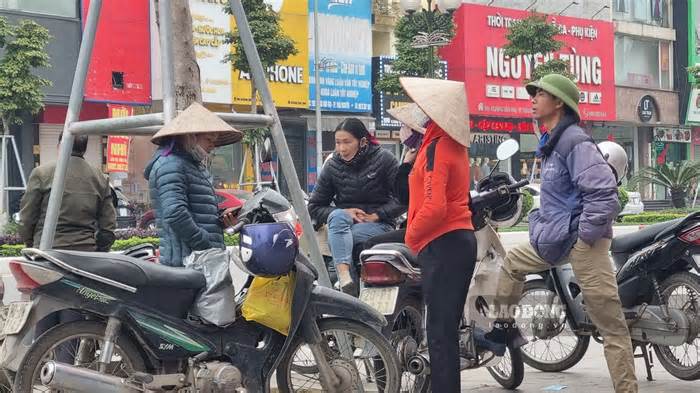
(509, 209)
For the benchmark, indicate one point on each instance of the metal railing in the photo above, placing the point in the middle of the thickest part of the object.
(151, 123)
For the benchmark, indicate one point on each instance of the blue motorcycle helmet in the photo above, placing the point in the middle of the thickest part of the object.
(268, 250)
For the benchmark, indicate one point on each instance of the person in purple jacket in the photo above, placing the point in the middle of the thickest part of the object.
(578, 204)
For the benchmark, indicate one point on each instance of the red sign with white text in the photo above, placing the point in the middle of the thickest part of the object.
(495, 81)
(118, 146)
(120, 65)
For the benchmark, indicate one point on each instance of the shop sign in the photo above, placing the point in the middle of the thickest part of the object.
(288, 79)
(210, 25)
(120, 63)
(488, 139)
(497, 124)
(672, 134)
(646, 108)
(495, 82)
(345, 45)
(118, 146)
(383, 101)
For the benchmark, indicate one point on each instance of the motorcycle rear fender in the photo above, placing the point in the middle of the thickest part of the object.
(16, 346)
(325, 301)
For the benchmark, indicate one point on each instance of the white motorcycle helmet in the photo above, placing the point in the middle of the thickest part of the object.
(616, 156)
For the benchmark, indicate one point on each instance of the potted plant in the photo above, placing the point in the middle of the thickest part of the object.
(677, 177)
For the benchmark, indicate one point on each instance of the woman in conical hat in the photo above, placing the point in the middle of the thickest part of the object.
(440, 226)
(413, 121)
(182, 195)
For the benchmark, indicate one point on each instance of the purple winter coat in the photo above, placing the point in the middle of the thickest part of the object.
(578, 198)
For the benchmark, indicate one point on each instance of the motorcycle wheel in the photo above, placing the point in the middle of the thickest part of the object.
(126, 358)
(405, 331)
(539, 353)
(510, 371)
(682, 292)
(371, 353)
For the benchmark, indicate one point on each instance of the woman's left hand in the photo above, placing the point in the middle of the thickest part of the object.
(230, 217)
(370, 217)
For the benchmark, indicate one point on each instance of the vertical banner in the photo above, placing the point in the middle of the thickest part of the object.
(118, 154)
(118, 146)
(210, 24)
(345, 46)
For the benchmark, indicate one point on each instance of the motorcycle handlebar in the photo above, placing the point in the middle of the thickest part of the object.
(486, 198)
(239, 225)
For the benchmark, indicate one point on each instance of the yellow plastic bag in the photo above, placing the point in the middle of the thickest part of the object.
(269, 302)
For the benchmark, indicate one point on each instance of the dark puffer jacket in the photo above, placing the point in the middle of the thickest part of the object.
(183, 198)
(366, 183)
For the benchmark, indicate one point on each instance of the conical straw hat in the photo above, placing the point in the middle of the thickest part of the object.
(410, 115)
(197, 119)
(445, 102)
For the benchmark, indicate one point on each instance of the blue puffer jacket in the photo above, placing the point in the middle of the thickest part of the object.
(578, 197)
(185, 205)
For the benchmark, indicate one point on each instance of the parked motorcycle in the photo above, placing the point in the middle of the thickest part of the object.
(391, 278)
(133, 333)
(660, 299)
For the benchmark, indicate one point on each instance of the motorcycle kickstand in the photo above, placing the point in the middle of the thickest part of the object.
(648, 358)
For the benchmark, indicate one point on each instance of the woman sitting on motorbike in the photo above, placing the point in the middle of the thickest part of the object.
(354, 196)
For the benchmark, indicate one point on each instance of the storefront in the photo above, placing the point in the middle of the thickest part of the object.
(499, 104)
(644, 118)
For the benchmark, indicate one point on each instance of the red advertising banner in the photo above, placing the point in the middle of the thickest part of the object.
(120, 65)
(495, 81)
(118, 146)
(118, 154)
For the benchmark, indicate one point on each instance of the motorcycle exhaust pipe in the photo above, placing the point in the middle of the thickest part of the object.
(66, 377)
(418, 365)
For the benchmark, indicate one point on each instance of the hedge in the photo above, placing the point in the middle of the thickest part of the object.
(651, 218)
(13, 250)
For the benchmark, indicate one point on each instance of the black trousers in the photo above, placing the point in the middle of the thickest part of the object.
(448, 265)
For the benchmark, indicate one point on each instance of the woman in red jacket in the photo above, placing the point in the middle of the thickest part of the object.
(440, 228)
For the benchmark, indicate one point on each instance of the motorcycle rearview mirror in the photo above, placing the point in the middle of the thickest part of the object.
(507, 149)
(266, 154)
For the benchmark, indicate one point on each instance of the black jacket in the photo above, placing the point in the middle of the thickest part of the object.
(366, 183)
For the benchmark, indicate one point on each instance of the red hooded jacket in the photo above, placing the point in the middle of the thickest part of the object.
(439, 190)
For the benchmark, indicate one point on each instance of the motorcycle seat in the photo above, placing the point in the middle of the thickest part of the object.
(131, 271)
(637, 240)
(403, 249)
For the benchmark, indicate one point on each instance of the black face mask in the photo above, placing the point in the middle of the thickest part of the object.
(557, 132)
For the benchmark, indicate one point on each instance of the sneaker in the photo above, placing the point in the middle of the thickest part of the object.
(347, 284)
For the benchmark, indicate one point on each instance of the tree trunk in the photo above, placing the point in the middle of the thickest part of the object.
(188, 88)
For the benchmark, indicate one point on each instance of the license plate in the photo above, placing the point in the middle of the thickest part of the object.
(381, 299)
(16, 316)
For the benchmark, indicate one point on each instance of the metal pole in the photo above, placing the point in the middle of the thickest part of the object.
(317, 77)
(4, 196)
(285, 156)
(74, 105)
(19, 161)
(256, 166)
(166, 59)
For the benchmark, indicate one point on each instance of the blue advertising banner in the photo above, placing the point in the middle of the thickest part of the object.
(345, 46)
